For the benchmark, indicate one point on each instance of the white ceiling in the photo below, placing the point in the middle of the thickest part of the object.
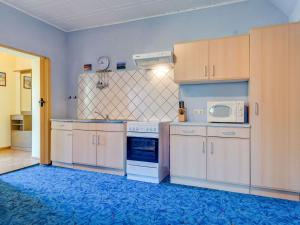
(286, 6)
(71, 15)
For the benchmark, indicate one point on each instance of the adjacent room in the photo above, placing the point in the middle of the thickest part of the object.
(149, 112)
(16, 111)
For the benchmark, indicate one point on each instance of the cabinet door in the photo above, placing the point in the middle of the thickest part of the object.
(229, 58)
(61, 146)
(228, 160)
(191, 62)
(188, 156)
(84, 147)
(111, 149)
(269, 108)
(294, 107)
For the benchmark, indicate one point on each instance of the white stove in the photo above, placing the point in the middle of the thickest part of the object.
(148, 151)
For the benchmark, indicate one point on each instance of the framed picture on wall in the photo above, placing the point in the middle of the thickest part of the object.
(27, 82)
(2, 79)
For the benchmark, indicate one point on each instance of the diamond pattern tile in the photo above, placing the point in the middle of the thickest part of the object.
(134, 95)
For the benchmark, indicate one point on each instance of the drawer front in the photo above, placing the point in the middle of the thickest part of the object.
(110, 127)
(228, 132)
(61, 125)
(17, 117)
(188, 130)
(85, 126)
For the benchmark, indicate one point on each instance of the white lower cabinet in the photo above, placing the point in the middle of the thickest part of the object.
(94, 146)
(188, 156)
(228, 160)
(211, 157)
(111, 149)
(61, 145)
(84, 147)
(61, 142)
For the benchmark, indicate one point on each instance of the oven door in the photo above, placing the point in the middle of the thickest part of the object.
(144, 149)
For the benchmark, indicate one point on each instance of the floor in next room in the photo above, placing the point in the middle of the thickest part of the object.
(11, 160)
(52, 195)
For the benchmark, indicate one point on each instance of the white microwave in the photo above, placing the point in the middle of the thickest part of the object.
(227, 112)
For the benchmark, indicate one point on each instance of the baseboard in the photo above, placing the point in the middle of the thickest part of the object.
(275, 193)
(98, 169)
(5, 148)
(244, 189)
(21, 149)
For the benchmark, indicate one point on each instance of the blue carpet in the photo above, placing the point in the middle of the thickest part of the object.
(51, 195)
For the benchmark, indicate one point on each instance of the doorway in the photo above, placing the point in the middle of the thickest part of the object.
(25, 97)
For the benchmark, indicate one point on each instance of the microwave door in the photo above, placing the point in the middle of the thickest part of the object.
(222, 113)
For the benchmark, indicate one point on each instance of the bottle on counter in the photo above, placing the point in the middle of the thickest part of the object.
(181, 112)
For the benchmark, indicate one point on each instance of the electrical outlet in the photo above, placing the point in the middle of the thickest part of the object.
(198, 111)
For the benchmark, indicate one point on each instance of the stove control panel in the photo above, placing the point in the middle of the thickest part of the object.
(143, 127)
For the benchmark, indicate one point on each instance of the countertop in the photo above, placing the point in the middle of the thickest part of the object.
(89, 121)
(238, 125)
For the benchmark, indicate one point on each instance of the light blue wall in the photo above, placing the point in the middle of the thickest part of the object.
(24, 32)
(119, 42)
(295, 16)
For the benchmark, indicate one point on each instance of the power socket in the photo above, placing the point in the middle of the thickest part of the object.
(199, 112)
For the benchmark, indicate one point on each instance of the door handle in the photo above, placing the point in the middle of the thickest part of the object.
(42, 102)
(93, 141)
(256, 109)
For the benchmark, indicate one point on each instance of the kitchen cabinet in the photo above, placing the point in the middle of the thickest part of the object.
(188, 156)
(229, 58)
(100, 145)
(275, 107)
(222, 59)
(61, 143)
(111, 149)
(210, 157)
(191, 61)
(84, 147)
(228, 160)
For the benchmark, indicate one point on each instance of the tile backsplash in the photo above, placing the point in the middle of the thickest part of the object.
(134, 95)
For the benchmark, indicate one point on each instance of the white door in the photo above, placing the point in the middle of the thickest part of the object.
(61, 146)
(228, 160)
(84, 147)
(111, 149)
(188, 156)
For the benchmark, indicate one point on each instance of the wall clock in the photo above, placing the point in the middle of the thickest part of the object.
(103, 63)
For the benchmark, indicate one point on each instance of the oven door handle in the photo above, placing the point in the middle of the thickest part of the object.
(142, 135)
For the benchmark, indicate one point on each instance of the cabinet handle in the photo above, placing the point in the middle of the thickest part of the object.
(256, 109)
(70, 135)
(211, 148)
(229, 133)
(188, 131)
(203, 148)
(94, 137)
(98, 140)
(214, 69)
(206, 70)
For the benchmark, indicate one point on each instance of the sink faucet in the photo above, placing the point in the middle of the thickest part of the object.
(106, 117)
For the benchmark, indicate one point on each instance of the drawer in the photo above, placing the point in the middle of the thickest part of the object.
(61, 125)
(142, 171)
(228, 132)
(17, 117)
(188, 130)
(120, 127)
(85, 126)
